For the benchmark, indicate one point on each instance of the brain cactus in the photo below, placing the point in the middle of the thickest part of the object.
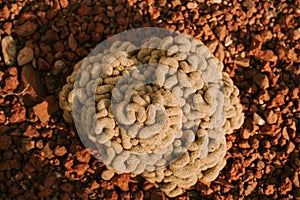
(160, 109)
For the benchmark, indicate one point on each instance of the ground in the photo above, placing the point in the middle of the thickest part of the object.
(41, 156)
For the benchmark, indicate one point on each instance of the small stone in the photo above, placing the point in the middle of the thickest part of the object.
(80, 169)
(220, 53)
(295, 179)
(295, 93)
(18, 113)
(268, 154)
(99, 28)
(221, 32)
(11, 82)
(245, 133)
(1, 75)
(268, 129)
(176, 3)
(258, 119)
(270, 189)
(39, 144)
(83, 156)
(244, 144)
(243, 62)
(59, 64)
(285, 133)
(228, 41)
(266, 55)
(147, 186)
(94, 185)
(296, 34)
(2, 118)
(107, 174)
(31, 132)
(266, 143)
(278, 100)
(84, 10)
(60, 151)
(290, 147)
(25, 56)
(161, 2)
(261, 80)
(64, 3)
(256, 43)
(260, 165)
(250, 188)
(9, 50)
(7, 27)
(41, 111)
(28, 16)
(26, 29)
(72, 42)
(50, 36)
(266, 35)
(271, 117)
(216, 1)
(5, 12)
(286, 186)
(43, 64)
(191, 5)
(122, 181)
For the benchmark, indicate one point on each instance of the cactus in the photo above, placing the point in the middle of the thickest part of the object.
(166, 121)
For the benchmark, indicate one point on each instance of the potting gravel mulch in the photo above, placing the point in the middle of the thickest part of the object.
(42, 157)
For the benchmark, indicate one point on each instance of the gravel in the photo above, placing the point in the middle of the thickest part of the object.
(41, 156)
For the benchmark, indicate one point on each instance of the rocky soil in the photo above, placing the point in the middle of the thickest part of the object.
(41, 156)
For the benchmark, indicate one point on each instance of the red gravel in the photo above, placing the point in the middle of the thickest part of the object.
(41, 157)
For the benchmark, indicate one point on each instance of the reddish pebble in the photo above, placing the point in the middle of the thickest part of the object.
(80, 169)
(7, 27)
(26, 29)
(83, 156)
(60, 151)
(25, 56)
(84, 10)
(122, 181)
(64, 3)
(99, 28)
(72, 42)
(42, 64)
(31, 132)
(41, 111)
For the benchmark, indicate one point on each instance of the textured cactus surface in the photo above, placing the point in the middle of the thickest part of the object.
(161, 111)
